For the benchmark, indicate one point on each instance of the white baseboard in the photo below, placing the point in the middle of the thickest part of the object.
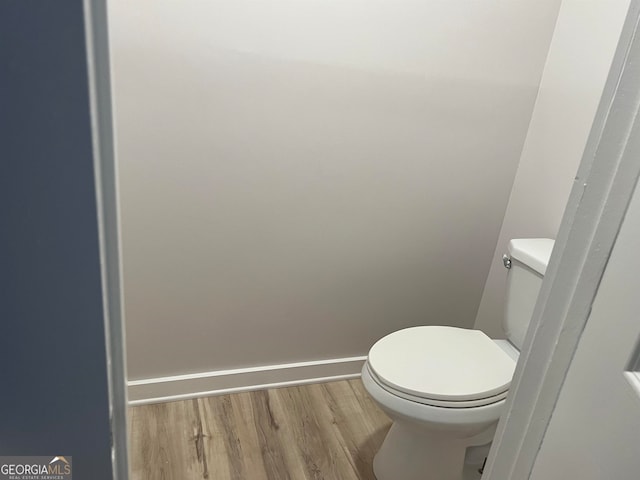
(182, 387)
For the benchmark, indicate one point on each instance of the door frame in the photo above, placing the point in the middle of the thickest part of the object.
(601, 192)
(106, 185)
(597, 204)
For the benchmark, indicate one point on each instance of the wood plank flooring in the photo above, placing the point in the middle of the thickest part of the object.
(324, 431)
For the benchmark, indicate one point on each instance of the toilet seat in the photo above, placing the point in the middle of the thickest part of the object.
(436, 403)
(442, 366)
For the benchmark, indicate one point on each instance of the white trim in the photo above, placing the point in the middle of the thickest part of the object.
(105, 174)
(217, 382)
(602, 190)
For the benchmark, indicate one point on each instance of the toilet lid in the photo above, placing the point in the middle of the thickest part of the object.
(442, 363)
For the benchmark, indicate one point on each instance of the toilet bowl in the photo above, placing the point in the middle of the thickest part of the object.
(445, 387)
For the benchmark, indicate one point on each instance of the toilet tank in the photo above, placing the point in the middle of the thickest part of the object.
(527, 260)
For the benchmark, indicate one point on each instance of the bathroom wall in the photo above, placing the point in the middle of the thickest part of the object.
(299, 179)
(579, 59)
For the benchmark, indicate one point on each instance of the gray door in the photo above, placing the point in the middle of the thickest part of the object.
(54, 397)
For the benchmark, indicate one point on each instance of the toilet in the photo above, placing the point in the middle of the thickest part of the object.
(445, 387)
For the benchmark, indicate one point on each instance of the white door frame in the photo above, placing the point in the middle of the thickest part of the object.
(105, 168)
(597, 204)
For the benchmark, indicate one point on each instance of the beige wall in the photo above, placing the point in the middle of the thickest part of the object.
(298, 179)
(579, 59)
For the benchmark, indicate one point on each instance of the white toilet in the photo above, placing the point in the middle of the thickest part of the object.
(445, 387)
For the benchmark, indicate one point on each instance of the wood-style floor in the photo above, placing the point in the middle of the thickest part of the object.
(327, 431)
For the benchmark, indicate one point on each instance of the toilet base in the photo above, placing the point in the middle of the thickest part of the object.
(410, 453)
